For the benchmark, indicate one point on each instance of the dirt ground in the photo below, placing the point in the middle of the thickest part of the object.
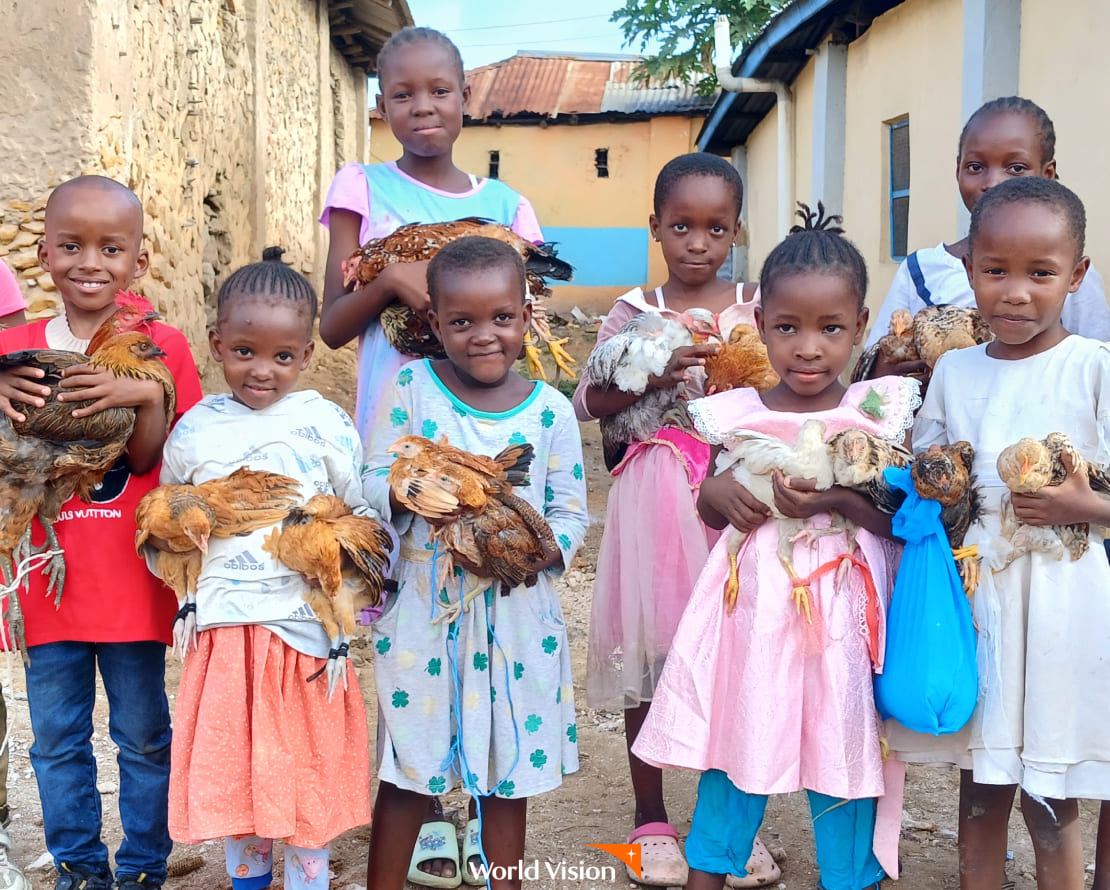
(592, 806)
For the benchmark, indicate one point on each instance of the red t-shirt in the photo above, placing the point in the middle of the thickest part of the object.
(109, 595)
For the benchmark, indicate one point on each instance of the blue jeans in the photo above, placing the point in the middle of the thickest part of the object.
(61, 687)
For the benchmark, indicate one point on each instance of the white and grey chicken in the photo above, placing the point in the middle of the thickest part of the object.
(752, 457)
(640, 350)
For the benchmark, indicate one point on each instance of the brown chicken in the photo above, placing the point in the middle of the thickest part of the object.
(900, 345)
(468, 501)
(940, 329)
(53, 455)
(1026, 467)
(345, 558)
(186, 516)
(742, 361)
(410, 333)
(943, 474)
(859, 459)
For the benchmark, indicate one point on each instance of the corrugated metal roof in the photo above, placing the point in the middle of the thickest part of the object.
(550, 85)
(780, 52)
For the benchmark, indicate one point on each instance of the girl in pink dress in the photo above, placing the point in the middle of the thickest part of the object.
(766, 698)
(654, 545)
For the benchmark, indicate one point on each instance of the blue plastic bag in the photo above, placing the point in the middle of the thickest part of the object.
(930, 678)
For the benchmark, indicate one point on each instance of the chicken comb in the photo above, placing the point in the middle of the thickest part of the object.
(127, 299)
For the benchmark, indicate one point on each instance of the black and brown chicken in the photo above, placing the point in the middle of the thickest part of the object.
(859, 459)
(474, 514)
(184, 517)
(943, 474)
(409, 332)
(1026, 467)
(52, 455)
(345, 558)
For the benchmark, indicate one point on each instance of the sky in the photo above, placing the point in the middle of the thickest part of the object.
(491, 30)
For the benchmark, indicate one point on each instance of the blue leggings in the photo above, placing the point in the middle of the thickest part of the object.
(726, 821)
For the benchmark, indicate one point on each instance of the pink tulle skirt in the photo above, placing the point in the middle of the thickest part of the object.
(652, 550)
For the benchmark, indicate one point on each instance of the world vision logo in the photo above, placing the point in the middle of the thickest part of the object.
(629, 854)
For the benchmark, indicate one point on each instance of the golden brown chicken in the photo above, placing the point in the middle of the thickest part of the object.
(345, 558)
(186, 516)
(742, 361)
(410, 333)
(943, 474)
(1026, 467)
(53, 455)
(468, 501)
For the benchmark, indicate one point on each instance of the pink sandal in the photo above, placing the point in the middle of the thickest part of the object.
(661, 861)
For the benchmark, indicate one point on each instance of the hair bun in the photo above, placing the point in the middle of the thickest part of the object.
(272, 253)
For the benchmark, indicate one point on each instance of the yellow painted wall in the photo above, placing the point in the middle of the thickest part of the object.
(908, 62)
(1063, 69)
(915, 44)
(553, 167)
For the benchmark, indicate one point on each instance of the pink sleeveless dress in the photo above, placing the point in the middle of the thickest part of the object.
(654, 545)
(777, 703)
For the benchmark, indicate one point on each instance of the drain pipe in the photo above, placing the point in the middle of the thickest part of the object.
(722, 62)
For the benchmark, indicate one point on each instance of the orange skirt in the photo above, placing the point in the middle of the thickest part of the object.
(258, 750)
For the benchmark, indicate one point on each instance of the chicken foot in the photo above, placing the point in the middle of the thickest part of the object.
(185, 626)
(15, 612)
(55, 569)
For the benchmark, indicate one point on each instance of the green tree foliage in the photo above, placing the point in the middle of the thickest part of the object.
(684, 31)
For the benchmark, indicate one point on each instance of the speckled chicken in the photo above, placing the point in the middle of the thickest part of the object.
(410, 333)
(926, 336)
(345, 558)
(186, 516)
(52, 455)
(859, 459)
(943, 474)
(640, 350)
(1026, 467)
(475, 516)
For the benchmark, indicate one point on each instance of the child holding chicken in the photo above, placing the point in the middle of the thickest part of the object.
(480, 693)
(113, 615)
(768, 685)
(654, 545)
(261, 749)
(1043, 618)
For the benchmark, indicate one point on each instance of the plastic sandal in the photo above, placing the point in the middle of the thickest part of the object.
(437, 840)
(661, 861)
(472, 848)
(761, 869)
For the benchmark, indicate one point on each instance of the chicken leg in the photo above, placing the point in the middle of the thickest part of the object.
(15, 612)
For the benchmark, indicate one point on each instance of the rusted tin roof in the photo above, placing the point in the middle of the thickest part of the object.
(542, 85)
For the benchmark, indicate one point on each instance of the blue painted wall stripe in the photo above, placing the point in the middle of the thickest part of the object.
(602, 257)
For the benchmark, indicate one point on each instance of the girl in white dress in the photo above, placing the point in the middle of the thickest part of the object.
(1044, 623)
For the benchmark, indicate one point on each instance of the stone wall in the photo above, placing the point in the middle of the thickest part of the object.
(227, 117)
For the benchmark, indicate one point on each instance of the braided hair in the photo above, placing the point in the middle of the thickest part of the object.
(269, 280)
(817, 245)
(1046, 132)
(414, 34)
(1033, 190)
(697, 163)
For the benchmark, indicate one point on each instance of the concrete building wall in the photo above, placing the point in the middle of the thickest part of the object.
(600, 224)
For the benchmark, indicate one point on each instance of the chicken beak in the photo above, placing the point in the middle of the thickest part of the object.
(1026, 466)
(201, 540)
(899, 327)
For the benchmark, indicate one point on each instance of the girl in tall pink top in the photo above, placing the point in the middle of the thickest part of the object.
(654, 545)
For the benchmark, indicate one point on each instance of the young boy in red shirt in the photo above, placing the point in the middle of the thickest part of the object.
(114, 615)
